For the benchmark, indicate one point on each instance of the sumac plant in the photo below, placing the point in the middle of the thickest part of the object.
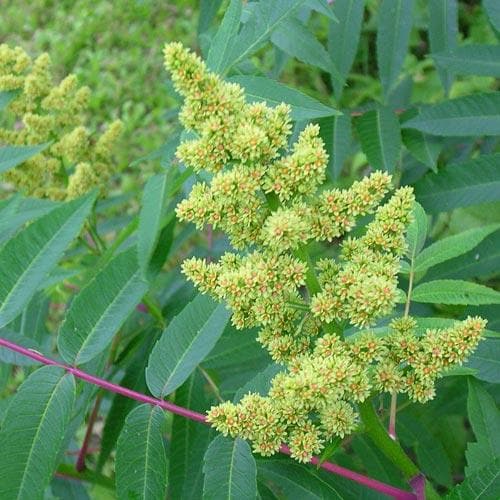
(343, 242)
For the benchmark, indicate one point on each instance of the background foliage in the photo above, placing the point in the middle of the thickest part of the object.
(416, 82)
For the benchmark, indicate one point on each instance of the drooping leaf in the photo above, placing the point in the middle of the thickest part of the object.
(486, 360)
(422, 147)
(343, 39)
(259, 88)
(416, 233)
(230, 470)
(394, 26)
(492, 8)
(222, 42)
(455, 292)
(187, 340)
(460, 185)
(26, 259)
(453, 246)
(477, 114)
(141, 459)
(154, 199)
(336, 134)
(303, 45)
(12, 156)
(430, 453)
(189, 442)
(265, 17)
(100, 309)
(323, 7)
(471, 60)
(484, 484)
(484, 417)
(32, 433)
(443, 33)
(294, 480)
(380, 137)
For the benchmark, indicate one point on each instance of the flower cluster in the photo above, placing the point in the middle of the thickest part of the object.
(41, 112)
(315, 400)
(266, 196)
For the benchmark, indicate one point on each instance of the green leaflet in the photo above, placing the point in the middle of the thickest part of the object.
(471, 60)
(187, 340)
(394, 24)
(12, 156)
(484, 417)
(460, 185)
(26, 259)
(422, 147)
(259, 88)
(141, 459)
(486, 359)
(303, 45)
(483, 484)
(477, 114)
(336, 134)
(100, 309)
(264, 19)
(343, 39)
(223, 40)
(492, 8)
(443, 33)
(455, 292)
(189, 442)
(33, 431)
(451, 247)
(380, 137)
(416, 233)
(230, 470)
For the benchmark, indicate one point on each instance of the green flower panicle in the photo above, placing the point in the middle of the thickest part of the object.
(76, 161)
(267, 197)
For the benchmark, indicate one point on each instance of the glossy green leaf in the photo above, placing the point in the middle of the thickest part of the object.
(422, 147)
(443, 33)
(492, 8)
(380, 137)
(460, 185)
(187, 340)
(343, 39)
(303, 45)
(222, 43)
(453, 246)
(259, 88)
(486, 359)
(12, 156)
(455, 292)
(477, 114)
(230, 470)
(26, 259)
(471, 60)
(416, 233)
(32, 433)
(141, 459)
(484, 484)
(484, 417)
(265, 17)
(100, 309)
(394, 25)
(189, 442)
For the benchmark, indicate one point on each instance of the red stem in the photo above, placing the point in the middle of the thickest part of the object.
(198, 417)
(80, 461)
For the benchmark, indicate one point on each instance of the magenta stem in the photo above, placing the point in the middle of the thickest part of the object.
(198, 417)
